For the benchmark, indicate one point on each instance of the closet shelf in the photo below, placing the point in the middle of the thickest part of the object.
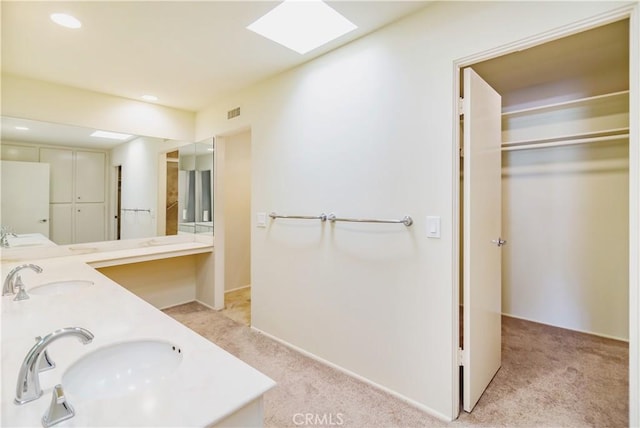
(621, 96)
(568, 140)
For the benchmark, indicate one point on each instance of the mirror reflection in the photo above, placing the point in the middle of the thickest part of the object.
(63, 185)
(195, 184)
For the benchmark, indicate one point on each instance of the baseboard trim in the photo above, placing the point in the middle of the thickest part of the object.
(606, 336)
(176, 304)
(208, 306)
(407, 400)
(237, 288)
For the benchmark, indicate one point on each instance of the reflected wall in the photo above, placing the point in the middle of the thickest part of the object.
(195, 196)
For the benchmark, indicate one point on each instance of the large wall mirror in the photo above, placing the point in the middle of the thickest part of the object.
(70, 186)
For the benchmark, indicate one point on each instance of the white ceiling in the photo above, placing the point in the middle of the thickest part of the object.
(186, 53)
(190, 53)
(597, 60)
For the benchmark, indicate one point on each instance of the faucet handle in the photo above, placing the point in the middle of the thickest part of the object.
(46, 363)
(22, 294)
(59, 410)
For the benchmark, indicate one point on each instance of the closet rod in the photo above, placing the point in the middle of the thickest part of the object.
(321, 217)
(506, 148)
(407, 220)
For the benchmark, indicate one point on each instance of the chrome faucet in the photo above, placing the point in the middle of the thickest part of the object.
(10, 283)
(5, 232)
(28, 387)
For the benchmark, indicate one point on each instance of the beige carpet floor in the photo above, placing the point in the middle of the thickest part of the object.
(550, 377)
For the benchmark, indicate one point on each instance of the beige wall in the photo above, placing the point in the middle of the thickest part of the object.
(36, 100)
(162, 283)
(19, 152)
(237, 210)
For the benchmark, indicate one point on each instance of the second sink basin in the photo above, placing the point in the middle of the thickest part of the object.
(121, 369)
(59, 287)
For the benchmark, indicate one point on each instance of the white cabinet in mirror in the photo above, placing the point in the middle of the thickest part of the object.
(121, 186)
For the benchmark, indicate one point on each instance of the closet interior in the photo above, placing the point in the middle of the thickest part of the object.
(565, 180)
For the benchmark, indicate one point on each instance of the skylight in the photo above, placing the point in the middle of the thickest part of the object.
(111, 135)
(66, 20)
(302, 25)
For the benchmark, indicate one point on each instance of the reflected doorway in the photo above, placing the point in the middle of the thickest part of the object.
(171, 218)
(118, 200)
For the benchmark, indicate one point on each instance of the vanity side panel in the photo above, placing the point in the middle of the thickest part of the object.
(205, 282)
(162, 283)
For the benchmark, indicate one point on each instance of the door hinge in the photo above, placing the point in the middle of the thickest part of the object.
(462, 357)
(461, 106)
(461, 152)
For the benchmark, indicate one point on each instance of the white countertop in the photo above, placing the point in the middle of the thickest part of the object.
(29, 240)
(106, 250)
(208, 385)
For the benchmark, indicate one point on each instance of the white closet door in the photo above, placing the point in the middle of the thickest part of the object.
(61, 223)
(25, 197)
(89, 225)
(482, 224)
(90, 170)
(61, 163)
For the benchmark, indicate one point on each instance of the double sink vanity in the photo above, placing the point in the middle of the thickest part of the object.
(83, 350)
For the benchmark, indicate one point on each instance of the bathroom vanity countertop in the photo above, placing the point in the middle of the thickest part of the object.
(29, 240)
(208, 385)
(133, 249)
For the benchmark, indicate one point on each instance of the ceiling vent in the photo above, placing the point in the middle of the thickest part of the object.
(233, 113)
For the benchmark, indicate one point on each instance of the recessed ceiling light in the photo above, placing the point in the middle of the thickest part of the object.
(66, 20)
(302, 25)
(22, 128)
(111, 135)
(149, 98)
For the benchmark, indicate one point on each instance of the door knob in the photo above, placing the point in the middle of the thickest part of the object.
(499, 242)
(44, 220)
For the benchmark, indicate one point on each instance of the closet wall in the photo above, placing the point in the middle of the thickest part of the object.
(565, 181)
(237, 211)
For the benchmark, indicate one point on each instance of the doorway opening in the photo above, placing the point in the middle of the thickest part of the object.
(564, 138)
(233, 198)
(118, 214)
(172, 200)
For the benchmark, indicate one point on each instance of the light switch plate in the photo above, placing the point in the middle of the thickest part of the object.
(261, 219)
(433, 226)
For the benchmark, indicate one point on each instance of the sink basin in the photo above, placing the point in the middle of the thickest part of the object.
(59, 287)
(121, 369)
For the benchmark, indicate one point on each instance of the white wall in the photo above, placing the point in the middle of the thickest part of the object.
(367, 130)
(37, 100)
(140, 179)
(18, 152)
(565, 213)
(139, 160)
(237, 210)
